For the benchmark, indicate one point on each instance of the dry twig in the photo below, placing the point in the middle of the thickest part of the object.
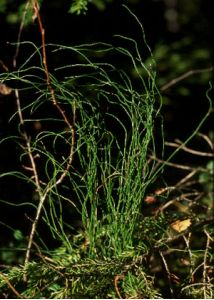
(43, 192)
(179, 143)
(184, 76)
(168, 273)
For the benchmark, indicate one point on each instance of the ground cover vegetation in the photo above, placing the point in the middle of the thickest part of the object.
(94, 162)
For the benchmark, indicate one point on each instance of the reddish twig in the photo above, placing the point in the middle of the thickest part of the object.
(43, 192)
(52, 91)
(55, 103)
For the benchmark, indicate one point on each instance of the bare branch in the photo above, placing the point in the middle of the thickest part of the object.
(184, 76)
(178, 166)
(179, 143)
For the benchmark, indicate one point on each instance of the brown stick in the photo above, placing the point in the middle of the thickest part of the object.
(43, 192)
(179, 143)
(184, 76)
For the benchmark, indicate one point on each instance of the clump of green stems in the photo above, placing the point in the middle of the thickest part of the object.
(106, 172)
(93, 156)
(113, 172)
(116, 174)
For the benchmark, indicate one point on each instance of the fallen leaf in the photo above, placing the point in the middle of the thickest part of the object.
(4, 89)
(181, 225)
